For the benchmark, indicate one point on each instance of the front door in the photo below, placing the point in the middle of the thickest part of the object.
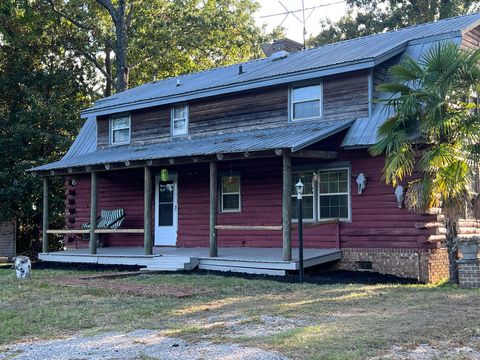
(166, 215)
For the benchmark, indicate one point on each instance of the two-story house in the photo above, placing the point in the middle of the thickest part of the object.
(205, 164)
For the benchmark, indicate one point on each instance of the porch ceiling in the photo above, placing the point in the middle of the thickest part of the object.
(293, 137)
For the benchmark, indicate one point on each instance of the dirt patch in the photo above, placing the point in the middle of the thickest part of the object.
(236, 326)
(127, 288)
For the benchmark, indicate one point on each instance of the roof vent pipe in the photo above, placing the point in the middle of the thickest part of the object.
(240, 69)
(178, 82)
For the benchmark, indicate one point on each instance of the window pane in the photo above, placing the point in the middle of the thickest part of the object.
(307, 180)
(306, 93)
(165, 214)
(179, 126)
(306, 109)
(231, 202)
(334, 206)
(180, 112)
(307, 207)
(120, 136)
(165, 193)
(120, 123)
(230, 184)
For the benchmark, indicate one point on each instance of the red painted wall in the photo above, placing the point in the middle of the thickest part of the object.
(376, 219)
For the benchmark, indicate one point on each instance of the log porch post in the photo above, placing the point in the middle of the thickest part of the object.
(45, 216)
(147, 212)
(213, 209)
(93, 213)
(286, 208)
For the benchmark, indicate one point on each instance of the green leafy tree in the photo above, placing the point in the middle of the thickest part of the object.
(433, 140)
(43, 86)
(365, 17)
(135, 41)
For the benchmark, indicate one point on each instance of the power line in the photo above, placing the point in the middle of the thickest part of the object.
(292, 12)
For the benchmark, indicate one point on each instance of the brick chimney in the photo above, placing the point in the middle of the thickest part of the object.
(285, 44)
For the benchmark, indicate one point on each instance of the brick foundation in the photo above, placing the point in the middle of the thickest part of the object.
(428, 266)
(469, 273)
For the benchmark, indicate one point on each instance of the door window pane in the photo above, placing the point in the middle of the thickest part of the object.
(165, 203)
(165, 214)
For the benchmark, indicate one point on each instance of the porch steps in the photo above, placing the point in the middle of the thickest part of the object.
(172, 263)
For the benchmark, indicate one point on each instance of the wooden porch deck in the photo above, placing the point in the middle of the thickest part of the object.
(245, 260)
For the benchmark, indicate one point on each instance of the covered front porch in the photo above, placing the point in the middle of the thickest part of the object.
(267, 261)
(259, 232)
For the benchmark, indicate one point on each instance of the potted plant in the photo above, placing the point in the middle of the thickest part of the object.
(469, 247)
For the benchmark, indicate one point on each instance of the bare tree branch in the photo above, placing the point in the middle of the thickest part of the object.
(107, 4)
(81, 25)
(69, 18)
(99, 66)
(129, 15)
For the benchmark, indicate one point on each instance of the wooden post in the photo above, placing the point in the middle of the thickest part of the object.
(45, 216)
(286, 208)
(93, 213)
(147, 212)
(213, 209)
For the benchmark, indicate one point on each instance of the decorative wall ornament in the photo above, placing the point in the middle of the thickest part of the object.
(164, 175)
(361, 183)
(400, 194)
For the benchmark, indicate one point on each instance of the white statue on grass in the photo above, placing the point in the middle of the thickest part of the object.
(23, 267)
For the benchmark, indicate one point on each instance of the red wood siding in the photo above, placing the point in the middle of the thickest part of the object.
(376, 219)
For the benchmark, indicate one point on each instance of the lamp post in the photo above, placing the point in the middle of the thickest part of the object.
(299, 187)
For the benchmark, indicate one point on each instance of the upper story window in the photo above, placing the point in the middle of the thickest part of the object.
(179, 122)
(306, 102)
(120, 129)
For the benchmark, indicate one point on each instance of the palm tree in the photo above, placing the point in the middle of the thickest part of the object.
(432, 142)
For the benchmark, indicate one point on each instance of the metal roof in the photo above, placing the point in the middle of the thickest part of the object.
(364, 132)
(291, 136)
(333, 58)
(86, 141)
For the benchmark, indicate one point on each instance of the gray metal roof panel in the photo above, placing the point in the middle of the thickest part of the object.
(364, 131)
(344, 52)
(292, 136)
(86, 141)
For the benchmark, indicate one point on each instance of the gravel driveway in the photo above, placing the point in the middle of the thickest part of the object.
(139, 344)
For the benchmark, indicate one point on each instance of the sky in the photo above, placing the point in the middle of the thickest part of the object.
(332, 9)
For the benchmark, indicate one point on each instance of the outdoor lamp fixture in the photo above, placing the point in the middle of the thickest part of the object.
(300, 187)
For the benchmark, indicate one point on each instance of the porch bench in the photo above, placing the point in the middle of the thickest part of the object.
(108, 220)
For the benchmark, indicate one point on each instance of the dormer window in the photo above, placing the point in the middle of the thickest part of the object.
(120, 129)
(306, 102)
(179, 123)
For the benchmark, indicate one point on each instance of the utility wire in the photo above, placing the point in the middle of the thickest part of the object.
(292, 12)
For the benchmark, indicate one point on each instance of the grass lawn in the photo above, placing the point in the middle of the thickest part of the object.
(301, 321)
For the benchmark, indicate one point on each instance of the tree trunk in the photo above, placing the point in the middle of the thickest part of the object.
(121, 44)
(452, 248)
(108, 70)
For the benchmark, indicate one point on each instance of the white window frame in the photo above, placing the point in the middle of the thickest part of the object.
(239, 193)
(292, 102)
(173, 119)
(313, 195)
(317, 195)
(111, 130)
(348, 193)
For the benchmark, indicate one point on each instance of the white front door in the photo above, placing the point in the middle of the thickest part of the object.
(166, 214)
